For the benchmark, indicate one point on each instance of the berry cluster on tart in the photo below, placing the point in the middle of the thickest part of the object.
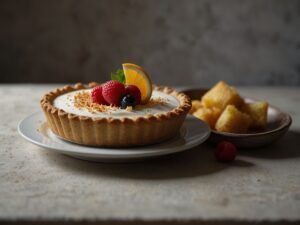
(125, 111)
(114, 93)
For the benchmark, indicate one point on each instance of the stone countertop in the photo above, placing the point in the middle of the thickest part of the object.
(38, 185)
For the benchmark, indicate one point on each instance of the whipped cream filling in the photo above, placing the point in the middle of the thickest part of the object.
(66, 103)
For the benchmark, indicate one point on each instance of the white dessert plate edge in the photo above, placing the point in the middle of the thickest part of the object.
(193, 133)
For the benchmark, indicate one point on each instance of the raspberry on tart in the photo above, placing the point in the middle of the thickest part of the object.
(135, 92)
(113, 91)
(97, 96)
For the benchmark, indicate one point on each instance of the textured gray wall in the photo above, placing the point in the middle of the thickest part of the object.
(180, 42)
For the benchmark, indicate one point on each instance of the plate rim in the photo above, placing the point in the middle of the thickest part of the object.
(80, 153)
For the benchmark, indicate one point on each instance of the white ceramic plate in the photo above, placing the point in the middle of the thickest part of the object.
(34, 129)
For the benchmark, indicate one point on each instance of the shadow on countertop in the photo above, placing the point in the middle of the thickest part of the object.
(198, 161)
(284, 148)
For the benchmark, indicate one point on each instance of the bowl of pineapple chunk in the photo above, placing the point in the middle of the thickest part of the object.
(245, 122)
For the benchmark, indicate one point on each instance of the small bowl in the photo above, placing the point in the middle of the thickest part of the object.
(277, 125)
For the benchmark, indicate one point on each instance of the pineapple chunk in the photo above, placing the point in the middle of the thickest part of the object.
(258, 111)
(233, 121)
(196, 104)
(208, 115)
(222, 95)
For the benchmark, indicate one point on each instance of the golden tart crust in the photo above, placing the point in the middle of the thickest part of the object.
(110, 131)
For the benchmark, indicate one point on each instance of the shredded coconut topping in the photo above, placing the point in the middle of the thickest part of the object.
(156, 101)
(83, 100)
